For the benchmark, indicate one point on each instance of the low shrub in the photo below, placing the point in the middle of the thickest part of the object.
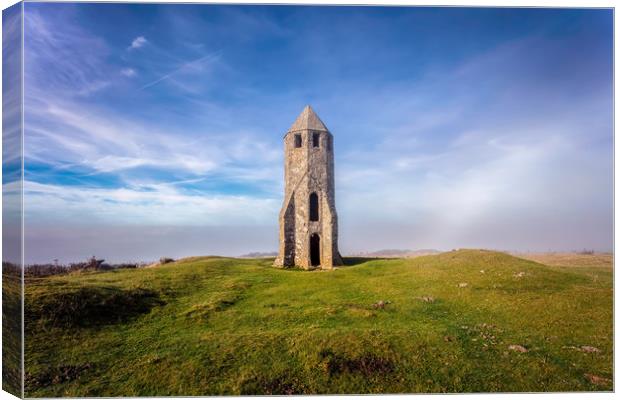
(92, 264)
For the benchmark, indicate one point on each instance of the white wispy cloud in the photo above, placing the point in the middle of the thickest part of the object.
(107, 142)
(156, 204)
(137, 43)
(128, 72)
(66, 62)
(11, 93)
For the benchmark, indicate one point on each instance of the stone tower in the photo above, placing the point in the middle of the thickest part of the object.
(308, 222)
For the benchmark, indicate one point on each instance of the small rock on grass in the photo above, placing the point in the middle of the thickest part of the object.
(462, 284)
(520, 274)
(596, 380)
(584, 349)
(381, 304)
(518, 348)
(428, 299)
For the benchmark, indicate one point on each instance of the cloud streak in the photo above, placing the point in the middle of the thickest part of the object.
(194, 64)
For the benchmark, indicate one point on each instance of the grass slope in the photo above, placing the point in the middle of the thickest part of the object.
(214, 325)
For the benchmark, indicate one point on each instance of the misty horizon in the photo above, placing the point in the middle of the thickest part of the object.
(181, 242)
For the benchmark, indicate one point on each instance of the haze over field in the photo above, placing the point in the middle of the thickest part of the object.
(156, 130)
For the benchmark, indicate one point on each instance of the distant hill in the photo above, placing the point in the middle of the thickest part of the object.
(397, 253)
(258, 254)
(385, 253)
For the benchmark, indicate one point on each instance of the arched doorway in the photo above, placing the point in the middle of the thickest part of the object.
(315, 250)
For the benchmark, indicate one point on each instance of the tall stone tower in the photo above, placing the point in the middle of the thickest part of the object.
(308, 222)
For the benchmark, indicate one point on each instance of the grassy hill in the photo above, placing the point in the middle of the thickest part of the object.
(443, 323)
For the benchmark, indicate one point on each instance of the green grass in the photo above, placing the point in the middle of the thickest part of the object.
(11, 330)
(210, 325)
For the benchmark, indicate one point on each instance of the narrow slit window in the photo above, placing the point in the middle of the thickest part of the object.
(297, 140)
(315, 139)
(314, 207)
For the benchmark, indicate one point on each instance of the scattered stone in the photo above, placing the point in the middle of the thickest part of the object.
(462, 284)
(482, 271)
(381, 304)
(584, 349)
(518, 348)
(448, 338)
(597, 380)
(427, 299)
(519, 275)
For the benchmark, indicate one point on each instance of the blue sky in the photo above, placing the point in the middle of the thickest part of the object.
(155, 130)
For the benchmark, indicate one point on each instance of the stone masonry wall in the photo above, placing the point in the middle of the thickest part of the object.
(308, 169)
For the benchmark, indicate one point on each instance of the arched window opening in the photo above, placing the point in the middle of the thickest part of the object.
(297, 140)
(315, 139)
(314, 207)
(315, 250)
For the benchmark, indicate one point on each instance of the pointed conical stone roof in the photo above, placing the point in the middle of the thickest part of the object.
(308, 120)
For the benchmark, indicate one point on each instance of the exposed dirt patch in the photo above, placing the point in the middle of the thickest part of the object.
(281, 385)
(597, 380)
(90, 306)
(61, 374)
(367, 364)
(590, 349)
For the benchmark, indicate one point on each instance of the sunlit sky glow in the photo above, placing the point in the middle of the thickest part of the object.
(156, 130)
